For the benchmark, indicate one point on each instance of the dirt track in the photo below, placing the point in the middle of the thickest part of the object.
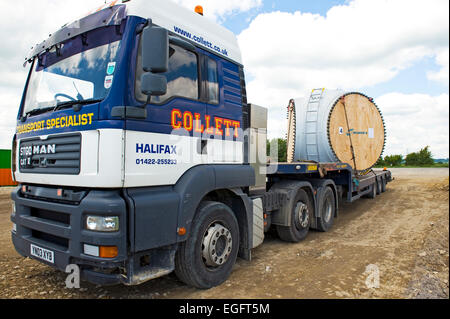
(403, 232)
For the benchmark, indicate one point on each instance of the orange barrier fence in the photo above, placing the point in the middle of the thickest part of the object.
(5, 177)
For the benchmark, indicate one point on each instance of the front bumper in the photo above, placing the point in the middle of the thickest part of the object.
(58, 226)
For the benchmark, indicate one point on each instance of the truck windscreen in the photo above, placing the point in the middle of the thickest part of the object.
(78, 70)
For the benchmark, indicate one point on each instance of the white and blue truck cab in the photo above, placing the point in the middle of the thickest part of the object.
(135, 153)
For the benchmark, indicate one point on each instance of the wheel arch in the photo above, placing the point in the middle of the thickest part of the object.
(222, 183)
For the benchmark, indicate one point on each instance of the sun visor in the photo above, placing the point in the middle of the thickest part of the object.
(109, 16)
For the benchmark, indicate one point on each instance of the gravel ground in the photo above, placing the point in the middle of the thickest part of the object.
(403, 233)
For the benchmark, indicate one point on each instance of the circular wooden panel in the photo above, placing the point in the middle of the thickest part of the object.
(360, 124)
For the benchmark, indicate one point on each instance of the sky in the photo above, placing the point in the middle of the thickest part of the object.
(396, 51)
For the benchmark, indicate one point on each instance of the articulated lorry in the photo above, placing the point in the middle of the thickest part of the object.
(137, 153)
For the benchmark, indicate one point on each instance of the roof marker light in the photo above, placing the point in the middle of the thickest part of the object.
(199, 10)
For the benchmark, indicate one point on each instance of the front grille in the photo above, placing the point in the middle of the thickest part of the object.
(59, 241)
(58, 154)
(62, 218)
(70, 196)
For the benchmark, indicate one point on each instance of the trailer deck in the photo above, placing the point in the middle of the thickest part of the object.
(342, 175)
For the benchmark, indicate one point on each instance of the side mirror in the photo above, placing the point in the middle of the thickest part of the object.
(153, 84)
(155, 49)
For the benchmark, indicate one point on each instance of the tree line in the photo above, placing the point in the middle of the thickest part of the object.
(420, 158)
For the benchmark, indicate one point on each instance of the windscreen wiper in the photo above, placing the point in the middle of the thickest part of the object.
(39, 111)
(60, 106)
(67, 104)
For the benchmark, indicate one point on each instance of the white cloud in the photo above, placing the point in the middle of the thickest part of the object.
(442, 59)
(356, 45)
(414, 121)
(24, 24)
(219, 9)
(360, 44)
(8, 114)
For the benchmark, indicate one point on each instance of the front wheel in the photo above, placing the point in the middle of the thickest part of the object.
(206, 258)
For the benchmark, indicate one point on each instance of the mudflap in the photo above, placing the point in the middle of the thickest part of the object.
(148, 265)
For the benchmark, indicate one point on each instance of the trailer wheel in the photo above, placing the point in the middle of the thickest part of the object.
(301, 215)
(373, 191)
(383, 185)
(206, 258)
(327, 211)
(379, 188)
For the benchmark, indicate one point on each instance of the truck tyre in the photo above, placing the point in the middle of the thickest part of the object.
(373, 191)
(379, 189)
(206, 258)
(327, 211)
(383, 185)
(301, 216)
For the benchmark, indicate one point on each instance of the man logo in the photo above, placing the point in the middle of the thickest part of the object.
(44, 149)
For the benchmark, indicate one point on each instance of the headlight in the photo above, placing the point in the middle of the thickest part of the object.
(102, 224)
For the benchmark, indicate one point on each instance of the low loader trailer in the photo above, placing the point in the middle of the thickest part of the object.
(137, 153)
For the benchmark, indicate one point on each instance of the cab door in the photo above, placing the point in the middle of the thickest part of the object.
(223, 98)
(161, 148)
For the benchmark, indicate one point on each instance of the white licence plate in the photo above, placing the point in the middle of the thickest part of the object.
(43, 254)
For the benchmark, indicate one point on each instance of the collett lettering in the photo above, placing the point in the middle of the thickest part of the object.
(214, 126)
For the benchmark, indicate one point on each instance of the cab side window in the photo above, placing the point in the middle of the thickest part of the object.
(212, 81)
(182, 77)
